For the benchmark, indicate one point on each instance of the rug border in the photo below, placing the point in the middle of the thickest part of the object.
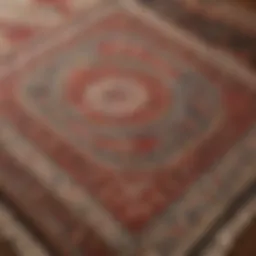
(217, 57)
(236, 208)
(18, 233)
(28, 209)
(14, 198)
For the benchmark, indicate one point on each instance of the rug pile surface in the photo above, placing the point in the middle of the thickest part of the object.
(15, 239)
(128, 129)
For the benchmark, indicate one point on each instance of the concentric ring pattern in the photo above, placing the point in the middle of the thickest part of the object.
(110, 100)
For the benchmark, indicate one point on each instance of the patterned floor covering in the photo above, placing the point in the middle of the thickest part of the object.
(23, 20)
(15, 239)
(223, 26)
(124, 132)
(245, 243)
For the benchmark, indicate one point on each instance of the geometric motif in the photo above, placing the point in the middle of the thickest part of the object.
(117, 108)
(23, 21)
(137, 119)
(174, 116)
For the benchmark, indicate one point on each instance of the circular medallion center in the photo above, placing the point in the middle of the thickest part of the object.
(116, 97)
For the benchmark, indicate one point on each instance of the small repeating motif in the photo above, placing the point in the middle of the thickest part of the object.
(49, 217)
(66, 189)
(99, 180)
(19, 151)
(185, 117)
(20, 21)
(189, 218)
(13, 230)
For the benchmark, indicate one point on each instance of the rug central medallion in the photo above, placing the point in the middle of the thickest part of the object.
(119, 95)
(126, 111)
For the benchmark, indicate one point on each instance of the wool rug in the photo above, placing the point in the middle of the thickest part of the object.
(15, 238)
(245, 243)
(123, 134)
(227, 26)
(23, 20)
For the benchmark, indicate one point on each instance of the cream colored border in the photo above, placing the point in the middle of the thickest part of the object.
(16, 233)
(230, 13)
(57, 36)
(158, 231)
(221, 59)
(85, 207)
(226, 237)
(67, 190)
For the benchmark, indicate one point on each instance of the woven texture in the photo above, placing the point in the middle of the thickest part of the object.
(125, 133)
(15, 238)
(223, 26)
